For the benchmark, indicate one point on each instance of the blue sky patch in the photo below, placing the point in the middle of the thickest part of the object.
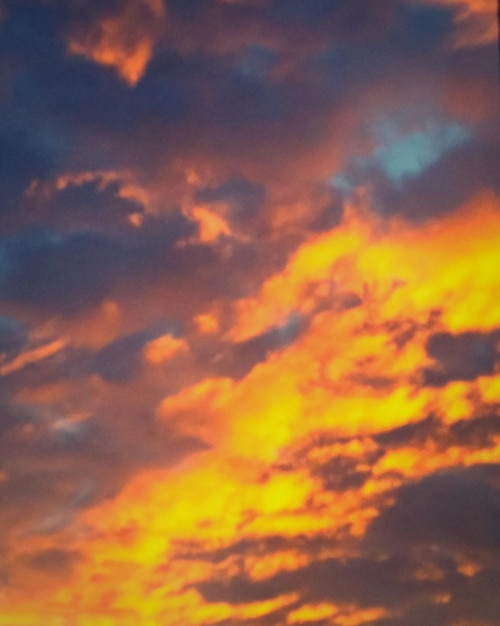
(409, 156)
(402, 157)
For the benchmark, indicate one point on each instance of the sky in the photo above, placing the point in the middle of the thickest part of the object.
(249, 313)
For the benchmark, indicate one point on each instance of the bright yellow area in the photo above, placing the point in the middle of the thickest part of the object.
(355, 372)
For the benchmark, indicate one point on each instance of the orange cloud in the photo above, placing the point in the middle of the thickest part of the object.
(401, 269)
(341, 615)
(294, 455)
(211, 225)
(31, 356)
(476, 21)
(123, 41)
(163, 348)
(354, 372)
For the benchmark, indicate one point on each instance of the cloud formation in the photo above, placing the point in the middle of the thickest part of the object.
(249, 331)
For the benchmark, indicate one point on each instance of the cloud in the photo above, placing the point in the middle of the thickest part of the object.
(365, 582)
(89, 204)
(62, 273)
(239, 358)
(456, 509)
(439, 190)
(119, 361)
(461, 357)
(475, 21)
(66, 273)
(12, 335)
(34, 356)
(249, 340)
(410, 155)
(243, 198)
(24, 157)
(122, 37)
(57, 561)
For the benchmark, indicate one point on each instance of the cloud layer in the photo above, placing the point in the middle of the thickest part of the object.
(249, 330)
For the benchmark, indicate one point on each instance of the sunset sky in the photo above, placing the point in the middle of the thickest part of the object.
(249, 313)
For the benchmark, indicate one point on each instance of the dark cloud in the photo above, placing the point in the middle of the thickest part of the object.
(329, 216)
(416, 433)
(362, 581)
(243, 197)
(120, 361)
(66, 273)
(55, 466)
(476, 599)
(12, 335)
(342, 474)
(259, 103)
(429, 613)
(453, 180)
(59, 562)
(477, 431)
(312, 13)
(215, 105)
(422, 27)
(26, 489)
(23, 158)
(409, 27)
(13, 416)
(85, 101)
(459, 508)
(67, 105)
(236, 360)
(241, 590)
(31, 146)
(313, 546)
(469, 598)
(187, 9)
(461, 357)
(60, 273)
(87, 205)
(65, 365)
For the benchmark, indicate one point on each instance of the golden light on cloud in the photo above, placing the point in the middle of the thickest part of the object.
(163, 348)
(123, 41)
(250, 337)
(32, 356)
(309, 387)
(211, 224)
(476, 20)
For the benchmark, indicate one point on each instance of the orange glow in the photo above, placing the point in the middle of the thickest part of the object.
(113, 41)
(360, 616)
(163, 348)
(206, 323)
(230, 492)
(31, 356)
(485, 30)
(211, 224)
(405, 273)
(250, 320)
(311, 613)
